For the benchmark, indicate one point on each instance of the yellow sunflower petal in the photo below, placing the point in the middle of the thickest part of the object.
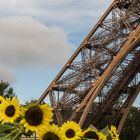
(36, 116)
(10, 110)
(50, 132)
(113, 133)
(101, 136)
(71, 130)
(90, 133)
(1, 99)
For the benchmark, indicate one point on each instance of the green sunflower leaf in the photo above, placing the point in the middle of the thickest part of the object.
(2, 134)
(5, 138)
(93, 127)
(6, 128)
(13, 135)
(105, 131)
(5, 131)
(84, 139)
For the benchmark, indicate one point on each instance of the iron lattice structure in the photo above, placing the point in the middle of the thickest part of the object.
(101, 80)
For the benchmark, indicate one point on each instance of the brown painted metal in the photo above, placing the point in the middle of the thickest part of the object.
(133, 39)
(127, 108)
(121, 89)
(46, 92)
(97, 79)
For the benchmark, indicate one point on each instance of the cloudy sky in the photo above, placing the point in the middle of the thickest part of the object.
(37, 37)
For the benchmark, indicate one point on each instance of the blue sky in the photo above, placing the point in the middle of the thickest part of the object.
(37, 37)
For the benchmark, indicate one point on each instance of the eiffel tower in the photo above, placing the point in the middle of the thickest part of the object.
(101, 80)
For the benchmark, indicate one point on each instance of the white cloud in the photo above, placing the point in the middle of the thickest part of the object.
(6, 74)
(26, 42)
(64, 13)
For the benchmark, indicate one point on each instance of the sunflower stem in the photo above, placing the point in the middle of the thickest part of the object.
(17, 135)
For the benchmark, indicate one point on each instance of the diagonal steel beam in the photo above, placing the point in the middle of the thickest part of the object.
(128, 107)
(133, 39)
(47, 91)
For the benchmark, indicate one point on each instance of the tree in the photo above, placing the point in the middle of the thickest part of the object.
(131, 129)
(6, 90)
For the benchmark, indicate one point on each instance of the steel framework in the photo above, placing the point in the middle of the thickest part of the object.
(101, 80)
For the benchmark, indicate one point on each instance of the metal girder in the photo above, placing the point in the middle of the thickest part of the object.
(127, 106)
(120, 89)
(133, 39)
(87, 87)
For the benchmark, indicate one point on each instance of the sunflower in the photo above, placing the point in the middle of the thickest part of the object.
(10, 110)
(102, 136)
(50, 132)
(1, 99)
(36, 116)
(113, 133)
(91, 134)
(71, 131)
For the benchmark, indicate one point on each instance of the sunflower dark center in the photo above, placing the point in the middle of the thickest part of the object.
(10, 111)
(34, 116)
(91, 135)
(70, 133)
(50, 136)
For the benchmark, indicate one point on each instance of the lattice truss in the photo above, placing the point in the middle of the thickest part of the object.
(102, 76)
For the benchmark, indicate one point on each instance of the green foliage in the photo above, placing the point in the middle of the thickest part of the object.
(131, 128)
(138, 137)
(5, 130)
(6, 90)
(9, 132)
(92, 127)
(84, 139)
(105, 131)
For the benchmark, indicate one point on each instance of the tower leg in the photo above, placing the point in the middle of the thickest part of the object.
(128, 107)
